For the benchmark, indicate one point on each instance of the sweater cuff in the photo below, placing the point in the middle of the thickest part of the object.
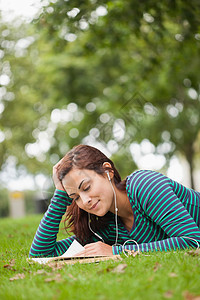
(116, 250)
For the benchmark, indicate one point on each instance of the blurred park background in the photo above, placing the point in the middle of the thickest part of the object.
(122, 76)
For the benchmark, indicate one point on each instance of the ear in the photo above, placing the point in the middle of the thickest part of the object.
(107, 167)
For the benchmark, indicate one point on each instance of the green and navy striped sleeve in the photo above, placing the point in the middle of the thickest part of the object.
(44, 243)
(166, 214)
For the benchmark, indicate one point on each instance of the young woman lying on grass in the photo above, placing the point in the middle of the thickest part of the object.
(153, 210)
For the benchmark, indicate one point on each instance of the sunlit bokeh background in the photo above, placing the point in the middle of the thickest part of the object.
(122, 79)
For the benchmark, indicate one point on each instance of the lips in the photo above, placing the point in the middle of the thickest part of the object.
(94, 206)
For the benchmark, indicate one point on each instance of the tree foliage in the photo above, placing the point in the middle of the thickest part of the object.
(97, 67)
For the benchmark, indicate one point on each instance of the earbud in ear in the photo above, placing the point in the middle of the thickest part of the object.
(108, 175)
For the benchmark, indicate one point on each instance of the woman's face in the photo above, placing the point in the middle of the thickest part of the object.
(91, 192)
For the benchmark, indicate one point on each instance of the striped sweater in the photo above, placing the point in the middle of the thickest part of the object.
(166, 217)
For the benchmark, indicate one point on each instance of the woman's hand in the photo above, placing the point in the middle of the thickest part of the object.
(56, 180)
(96, 249)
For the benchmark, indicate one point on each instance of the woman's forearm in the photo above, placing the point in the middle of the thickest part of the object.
(44, 242)
(172, 243)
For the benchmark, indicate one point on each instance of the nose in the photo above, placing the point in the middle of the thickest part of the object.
(86, 199)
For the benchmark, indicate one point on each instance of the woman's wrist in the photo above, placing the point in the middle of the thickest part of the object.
(62, 196)
(60, 190)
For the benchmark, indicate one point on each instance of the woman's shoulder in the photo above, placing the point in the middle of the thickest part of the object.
(143, 176)
(142, 184)
(142, 173)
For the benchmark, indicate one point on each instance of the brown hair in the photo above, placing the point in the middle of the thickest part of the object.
(86, 157)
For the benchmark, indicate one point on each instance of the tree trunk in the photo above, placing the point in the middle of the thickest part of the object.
(189, 156)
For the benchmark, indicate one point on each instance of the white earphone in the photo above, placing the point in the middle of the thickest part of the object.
(107, 172)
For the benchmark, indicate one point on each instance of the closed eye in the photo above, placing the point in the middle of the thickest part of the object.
(86, 189)
(75, 199)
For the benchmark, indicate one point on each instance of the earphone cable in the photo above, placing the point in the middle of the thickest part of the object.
(116, 221)
(89, 221)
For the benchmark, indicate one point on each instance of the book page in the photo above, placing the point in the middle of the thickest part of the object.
(74, 249)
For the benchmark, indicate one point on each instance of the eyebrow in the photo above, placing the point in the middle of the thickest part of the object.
(78, 187)
(80, 184)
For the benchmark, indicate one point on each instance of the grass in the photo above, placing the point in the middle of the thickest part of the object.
(167, 275)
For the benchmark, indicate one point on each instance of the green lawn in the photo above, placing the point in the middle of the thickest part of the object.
(169, 275)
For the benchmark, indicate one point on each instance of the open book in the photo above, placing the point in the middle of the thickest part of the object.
(74, 249)
(69, 255)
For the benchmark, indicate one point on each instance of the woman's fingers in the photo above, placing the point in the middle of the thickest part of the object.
(56, 180)
(58, 163)
(96, 249)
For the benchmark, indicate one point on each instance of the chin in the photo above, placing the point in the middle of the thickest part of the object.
(101, 214)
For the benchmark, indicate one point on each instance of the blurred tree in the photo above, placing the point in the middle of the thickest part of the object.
(149, 47)
(93, 64)
(18, 116)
